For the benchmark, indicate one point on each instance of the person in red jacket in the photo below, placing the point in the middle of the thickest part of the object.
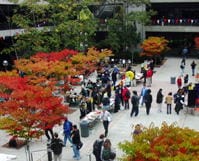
(149, 75)
(126, 94)
(179, 82)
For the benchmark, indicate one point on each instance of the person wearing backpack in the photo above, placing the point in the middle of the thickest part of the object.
(126, 96)
(97, 147)
(67, 127)
(56, 146)
(107, 153)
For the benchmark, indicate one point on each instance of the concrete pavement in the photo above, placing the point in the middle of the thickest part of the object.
(121, 125)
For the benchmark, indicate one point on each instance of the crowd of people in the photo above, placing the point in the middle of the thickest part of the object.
(114, 84)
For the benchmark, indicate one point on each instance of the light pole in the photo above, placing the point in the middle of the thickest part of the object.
(5, 64)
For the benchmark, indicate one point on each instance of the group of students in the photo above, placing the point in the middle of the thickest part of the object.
(72, 134)
(102, 149)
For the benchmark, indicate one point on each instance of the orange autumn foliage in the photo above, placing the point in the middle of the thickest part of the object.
(154, 46)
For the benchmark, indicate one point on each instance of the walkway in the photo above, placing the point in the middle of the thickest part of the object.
(121, 126)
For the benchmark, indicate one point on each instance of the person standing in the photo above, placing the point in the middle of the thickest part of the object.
(137, 130)
(126, 95)
(106, 102)
(159, 100)
(105, 116)
(179, 82)
(149, 77)
(186, 79)
(97, 147)
(182, 67)
(135, 104)
(67, 127)
(168, 101)
(76, 141)
(193, 66)
(142, 94)
(117, 99)
(148, 100)
(56, 146)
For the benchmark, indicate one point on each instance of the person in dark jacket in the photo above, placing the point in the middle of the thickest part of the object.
(76, 141)
(148, 100)
(117, 99)
(135, 104)
(49, 130)
(159, 99)
(97, 147)
(179, 100)
(193, 66)
(56, 146)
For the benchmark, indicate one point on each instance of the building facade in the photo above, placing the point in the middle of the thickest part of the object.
(176, 20)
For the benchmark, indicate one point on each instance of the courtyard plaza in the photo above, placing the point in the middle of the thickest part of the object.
(121, 126)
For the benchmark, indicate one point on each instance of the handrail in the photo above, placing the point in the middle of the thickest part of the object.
(35, 151)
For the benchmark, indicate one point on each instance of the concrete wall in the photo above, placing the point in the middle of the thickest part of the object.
(173, 1)
(172, 29)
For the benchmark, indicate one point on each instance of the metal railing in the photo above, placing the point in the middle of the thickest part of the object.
(43, 155)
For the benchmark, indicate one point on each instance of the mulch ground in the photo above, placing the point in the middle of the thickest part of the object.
(20, 143)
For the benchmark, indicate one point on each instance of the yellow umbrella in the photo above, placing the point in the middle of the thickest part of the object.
(130, 74)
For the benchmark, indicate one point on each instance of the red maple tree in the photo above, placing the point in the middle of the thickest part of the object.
(28, 108)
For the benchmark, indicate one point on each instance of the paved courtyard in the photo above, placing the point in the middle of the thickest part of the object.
(121, 125)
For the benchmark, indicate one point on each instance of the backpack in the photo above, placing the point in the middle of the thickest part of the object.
(97, 147)
(56, 146)
(106, 154)
(127, 94)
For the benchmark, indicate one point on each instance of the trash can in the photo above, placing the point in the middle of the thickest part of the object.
(84, 128)
(173, 80)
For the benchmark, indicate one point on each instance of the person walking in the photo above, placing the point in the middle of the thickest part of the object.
(148, 100)
(105, 116)
(107, 151)
(97, 147)
(168, 101)
(57, 146)
(159, 99)
(135, 104)
(193, 66)
(49, 130)
(67, 127)
(76, 141)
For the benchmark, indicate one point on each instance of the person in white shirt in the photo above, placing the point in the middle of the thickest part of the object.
(106, 117)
